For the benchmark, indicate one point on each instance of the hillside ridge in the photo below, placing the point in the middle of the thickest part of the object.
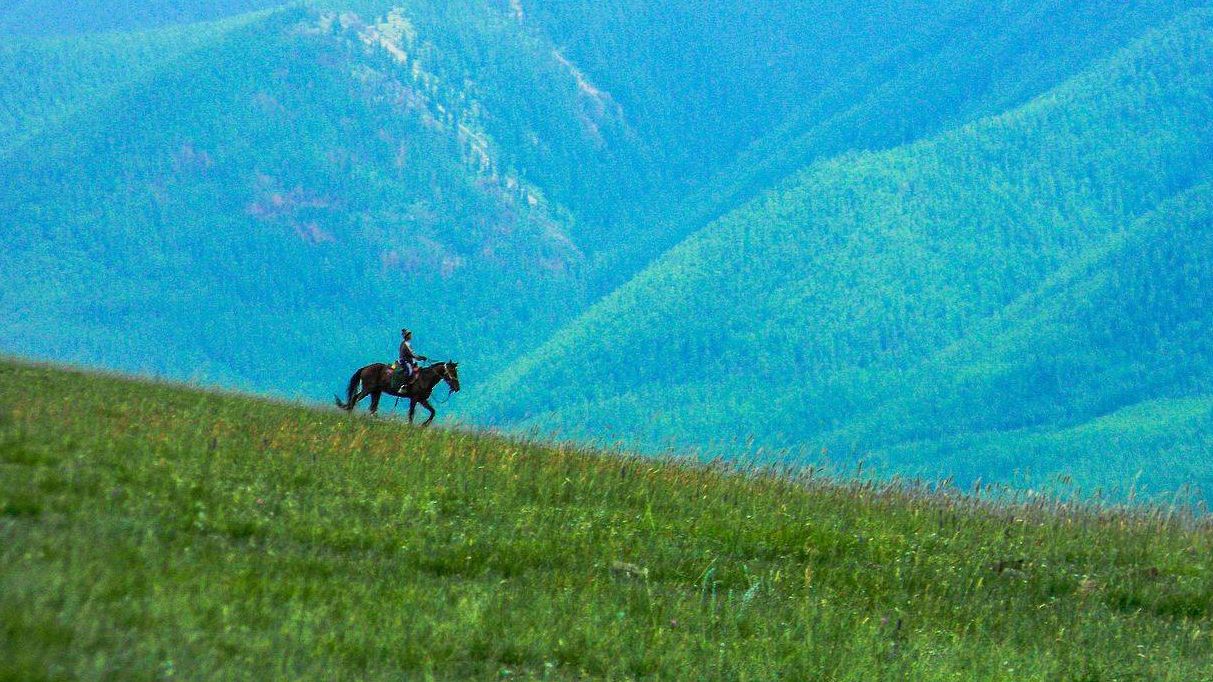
(778, 234)
(152, 528)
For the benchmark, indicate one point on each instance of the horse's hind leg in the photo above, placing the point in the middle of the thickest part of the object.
(375, 402)
(433, 412)
(412, 410)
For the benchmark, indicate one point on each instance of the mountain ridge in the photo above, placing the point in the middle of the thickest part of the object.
(1186, 163)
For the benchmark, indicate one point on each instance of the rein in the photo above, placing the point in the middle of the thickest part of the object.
(445, 376)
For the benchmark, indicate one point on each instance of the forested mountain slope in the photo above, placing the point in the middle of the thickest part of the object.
(48, 83)
(264, 204)
(735, 96)
(56, 17)
(842, 225)
(1104, 373)
(794, 319)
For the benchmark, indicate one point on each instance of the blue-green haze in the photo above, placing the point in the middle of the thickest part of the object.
(944, 237)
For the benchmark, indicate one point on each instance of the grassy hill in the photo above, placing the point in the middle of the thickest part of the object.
(1033, 270)
(150, 530)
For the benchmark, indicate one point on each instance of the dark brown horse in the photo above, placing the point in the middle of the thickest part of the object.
(376, 379)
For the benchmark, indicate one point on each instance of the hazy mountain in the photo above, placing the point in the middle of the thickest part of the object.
(916, 294)
(933, 234)
(265, 203)
(54, 17)
(735, 97)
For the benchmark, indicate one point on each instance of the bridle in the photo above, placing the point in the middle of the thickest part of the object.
(444, 373)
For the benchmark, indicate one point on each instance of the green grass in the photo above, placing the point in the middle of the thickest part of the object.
(152, 531)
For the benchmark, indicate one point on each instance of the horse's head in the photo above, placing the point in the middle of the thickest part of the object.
(449, 371)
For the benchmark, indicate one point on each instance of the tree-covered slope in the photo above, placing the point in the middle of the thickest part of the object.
(262, 207)
(1105, 373)
(1125, 323)
(739, 69)
(482, 170)
(790, 319)
(47, 82)
(54, 17)
(736, 96)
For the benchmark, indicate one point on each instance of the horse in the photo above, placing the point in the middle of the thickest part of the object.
(376, 379)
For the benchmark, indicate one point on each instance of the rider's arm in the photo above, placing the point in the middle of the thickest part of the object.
(408, 355)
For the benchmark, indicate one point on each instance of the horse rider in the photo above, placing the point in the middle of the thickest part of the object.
(407, 364)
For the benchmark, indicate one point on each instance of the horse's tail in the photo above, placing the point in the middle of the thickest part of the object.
(349, 392)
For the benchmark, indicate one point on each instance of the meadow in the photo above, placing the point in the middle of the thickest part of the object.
(154, 531)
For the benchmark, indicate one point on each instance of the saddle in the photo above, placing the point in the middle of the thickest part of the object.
(396, 376)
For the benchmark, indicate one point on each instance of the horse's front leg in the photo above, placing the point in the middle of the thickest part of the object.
(375, 402)
(412, 409)
(426, 405)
